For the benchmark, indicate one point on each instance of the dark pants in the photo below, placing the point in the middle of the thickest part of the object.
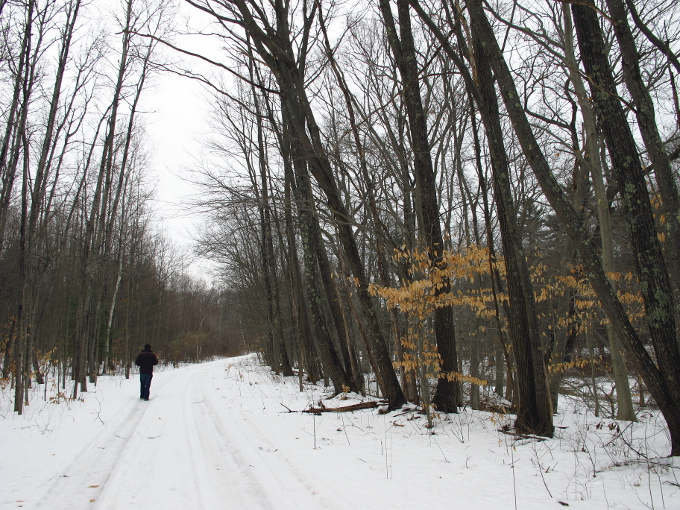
(145, 381)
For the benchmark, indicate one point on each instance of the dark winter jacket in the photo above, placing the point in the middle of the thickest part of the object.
(145, 361)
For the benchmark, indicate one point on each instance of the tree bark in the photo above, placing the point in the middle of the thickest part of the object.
(649, 261)
(591, 160)
(403, 48)
(644, 110)
(304, 330)
(311, 243)
(534, 411)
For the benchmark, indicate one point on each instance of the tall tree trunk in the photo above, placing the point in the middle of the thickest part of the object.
(18, 111)
(21, 151)
(591, 160)
(502, 355)
(274, 45)
(308, 352)
(379, 227)
(307, 132)
(649, 261)
(275, 342)
(644, 110)
(534, 411)
(403, 48)
(20, 343)
(89, 306)
(311, 243)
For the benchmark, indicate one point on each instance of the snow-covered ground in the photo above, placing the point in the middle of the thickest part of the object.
(231, 435)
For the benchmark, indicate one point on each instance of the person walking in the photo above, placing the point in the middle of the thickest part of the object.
(145, 361)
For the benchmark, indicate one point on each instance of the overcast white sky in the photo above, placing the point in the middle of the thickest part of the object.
(177, 120)
(175, 125)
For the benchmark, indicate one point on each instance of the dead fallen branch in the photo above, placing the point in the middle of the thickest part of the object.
(344, 409)
(519, 435)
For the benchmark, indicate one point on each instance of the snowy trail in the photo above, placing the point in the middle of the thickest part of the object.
(185, 448)
(231, 435)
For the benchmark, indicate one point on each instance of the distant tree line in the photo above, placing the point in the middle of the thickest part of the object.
(85, 279)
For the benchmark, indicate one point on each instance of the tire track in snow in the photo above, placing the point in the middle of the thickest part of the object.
(93, 465)
(288, 485)
(185, 448)
(225, 463)
(167, 466)
(182, 458)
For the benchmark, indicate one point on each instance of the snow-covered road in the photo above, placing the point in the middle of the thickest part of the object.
(182, 449)
(230, 434)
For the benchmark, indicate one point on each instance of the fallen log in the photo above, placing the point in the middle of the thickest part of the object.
(354, 407)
